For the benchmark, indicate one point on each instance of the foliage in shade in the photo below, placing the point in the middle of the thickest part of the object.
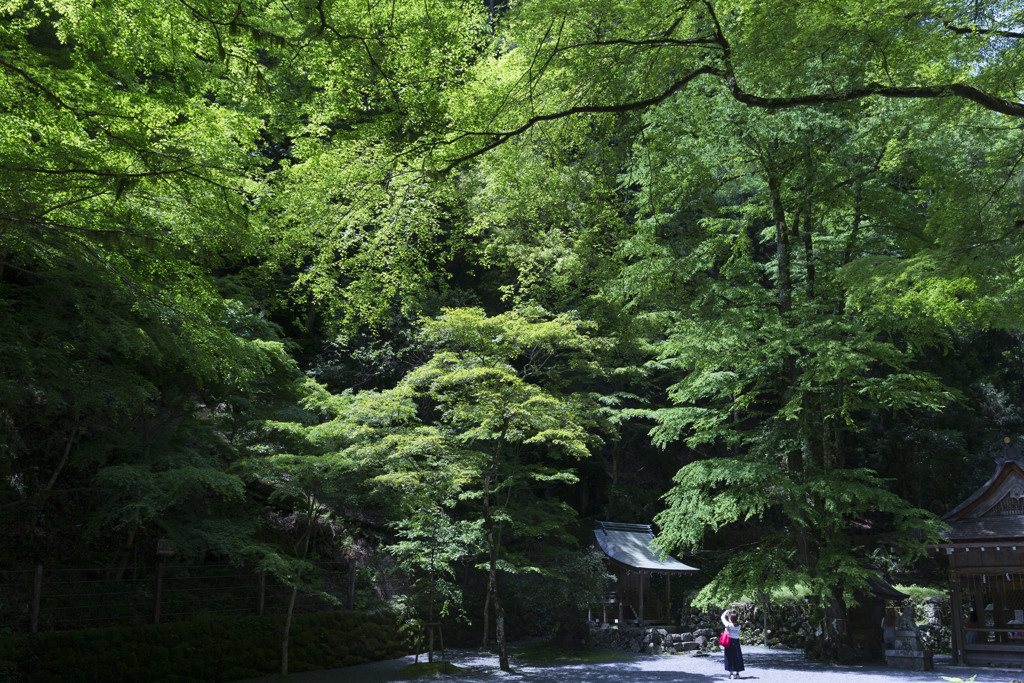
(220, 650)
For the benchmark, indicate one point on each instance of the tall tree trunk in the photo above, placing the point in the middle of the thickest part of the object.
(126, 553)
(487, 615)
(287, 631)
(836, 617)
(838, 441)
(295, 591)
(783, 255)
(784, 298)
(430, 599)
(809, 271)
(499, 611)
(350, 597)
(811, 413)
(799, 459)
(492, 565)
(44, 494)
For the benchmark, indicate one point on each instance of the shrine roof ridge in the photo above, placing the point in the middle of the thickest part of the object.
(621, 526)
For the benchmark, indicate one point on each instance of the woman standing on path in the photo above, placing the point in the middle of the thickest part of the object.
(733, 653)
(889, 628)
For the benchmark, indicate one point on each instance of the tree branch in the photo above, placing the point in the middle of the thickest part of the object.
(967, 30)
(726, 72)
(100, 174)
(961, 90)
(501, 138)
(650, 42)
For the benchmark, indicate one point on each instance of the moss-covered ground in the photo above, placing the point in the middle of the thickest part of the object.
(542, 651)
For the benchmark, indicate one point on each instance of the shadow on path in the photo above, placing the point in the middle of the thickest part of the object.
(763, 666)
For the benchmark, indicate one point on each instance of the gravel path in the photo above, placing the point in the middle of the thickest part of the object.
(763, 666)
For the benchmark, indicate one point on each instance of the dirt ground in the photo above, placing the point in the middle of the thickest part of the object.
(763, 665)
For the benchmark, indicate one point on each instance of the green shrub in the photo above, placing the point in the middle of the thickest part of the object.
(918, 594)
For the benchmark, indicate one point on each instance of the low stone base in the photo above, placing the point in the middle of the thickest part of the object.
(651, 640)
(909, 660)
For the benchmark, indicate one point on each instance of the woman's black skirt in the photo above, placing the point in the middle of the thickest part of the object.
(734, 657)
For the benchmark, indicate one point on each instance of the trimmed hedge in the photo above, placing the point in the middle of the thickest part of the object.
(221, 650)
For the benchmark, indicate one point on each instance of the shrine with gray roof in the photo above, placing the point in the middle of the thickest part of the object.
(985, 549)
(633, 559)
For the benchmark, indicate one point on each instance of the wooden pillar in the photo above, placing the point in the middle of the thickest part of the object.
(430, 644)
(979, 604)
(998, 607)
(764, 627)
(955, 606)
(667, 616)
(640, 614)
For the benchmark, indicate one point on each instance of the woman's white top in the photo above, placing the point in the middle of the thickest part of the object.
(733, 629)
(888, 631)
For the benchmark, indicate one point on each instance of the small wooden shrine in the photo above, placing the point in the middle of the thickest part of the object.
(985, 548)
(864, 619)
(633, 559)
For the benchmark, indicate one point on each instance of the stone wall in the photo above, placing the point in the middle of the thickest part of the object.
(789, 626)
(699, 630)
(936, 630)
(654, 640)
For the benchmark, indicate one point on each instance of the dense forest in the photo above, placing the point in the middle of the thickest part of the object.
(445, 282)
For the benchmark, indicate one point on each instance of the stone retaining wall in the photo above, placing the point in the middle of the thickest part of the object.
(789, 626)
(653, 640)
